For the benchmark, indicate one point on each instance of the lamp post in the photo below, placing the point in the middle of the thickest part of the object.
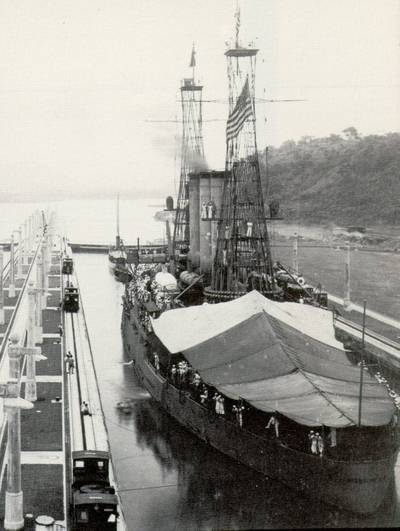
(13, 403)
(39, 278)
(44, 279)
(20, 253)
(295, 256)
(362, 364)
(26, 244)
(347, 300)
(11, 288)
(33, 354)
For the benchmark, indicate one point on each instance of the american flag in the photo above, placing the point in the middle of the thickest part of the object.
(242, 111)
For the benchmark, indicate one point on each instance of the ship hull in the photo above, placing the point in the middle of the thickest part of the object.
(357, 486)
(120, 271)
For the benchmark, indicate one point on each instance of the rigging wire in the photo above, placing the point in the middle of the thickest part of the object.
(225, 102)
(257, 100)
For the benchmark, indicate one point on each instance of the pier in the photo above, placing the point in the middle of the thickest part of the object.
(42, 423)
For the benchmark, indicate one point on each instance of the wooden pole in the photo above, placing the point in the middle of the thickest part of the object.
(362, 364)
(169, 240)
(266, 175)
(188, 287)
(25, 245)
(20, 254)
(296, 254)
(347, 300)
(11, 288)
(42, 253)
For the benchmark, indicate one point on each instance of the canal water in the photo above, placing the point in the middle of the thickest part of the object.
(168, 480)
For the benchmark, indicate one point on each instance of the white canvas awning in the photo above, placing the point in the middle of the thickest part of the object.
(199, 323)
(278, 357)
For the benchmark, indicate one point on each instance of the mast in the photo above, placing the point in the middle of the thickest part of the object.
(192, 154)
(243, 257)
(193, 62)
(117, 238)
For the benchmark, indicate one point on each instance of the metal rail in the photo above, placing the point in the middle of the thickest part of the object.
(369, 333)
(81, 374)
(19, 300)
(84, 442)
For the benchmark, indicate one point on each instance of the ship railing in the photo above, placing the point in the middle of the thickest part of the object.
(222, 295)
(316, 458)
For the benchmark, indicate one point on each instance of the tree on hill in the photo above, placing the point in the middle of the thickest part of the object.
(352, 179)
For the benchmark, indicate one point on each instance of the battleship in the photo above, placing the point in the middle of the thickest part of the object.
(238, 348)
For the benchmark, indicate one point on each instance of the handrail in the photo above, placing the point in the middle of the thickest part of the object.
(4, 272)
(7, 266)
(369, 333)
(21, 294)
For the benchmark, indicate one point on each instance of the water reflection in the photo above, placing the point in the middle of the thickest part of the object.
(216, 492)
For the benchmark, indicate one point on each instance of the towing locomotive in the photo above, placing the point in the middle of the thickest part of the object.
(67, 266)
(94, 504)
(71, 298)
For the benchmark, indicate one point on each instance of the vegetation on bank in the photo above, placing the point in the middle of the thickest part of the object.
(341, 179)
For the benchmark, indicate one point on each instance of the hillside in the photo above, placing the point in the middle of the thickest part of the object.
(342, 180)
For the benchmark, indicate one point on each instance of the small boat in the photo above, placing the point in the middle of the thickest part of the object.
(117, 256)
(125, 405)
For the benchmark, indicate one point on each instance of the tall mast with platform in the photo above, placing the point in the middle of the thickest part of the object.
(243, 257)
(192, 154)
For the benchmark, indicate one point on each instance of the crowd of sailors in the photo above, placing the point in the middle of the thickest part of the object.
(392, 393)
(185, 378)
(145, 289)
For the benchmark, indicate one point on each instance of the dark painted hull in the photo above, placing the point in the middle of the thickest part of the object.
(121, 272)
(359, 486)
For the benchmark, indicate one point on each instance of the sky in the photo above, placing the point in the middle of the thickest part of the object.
(80, 80)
